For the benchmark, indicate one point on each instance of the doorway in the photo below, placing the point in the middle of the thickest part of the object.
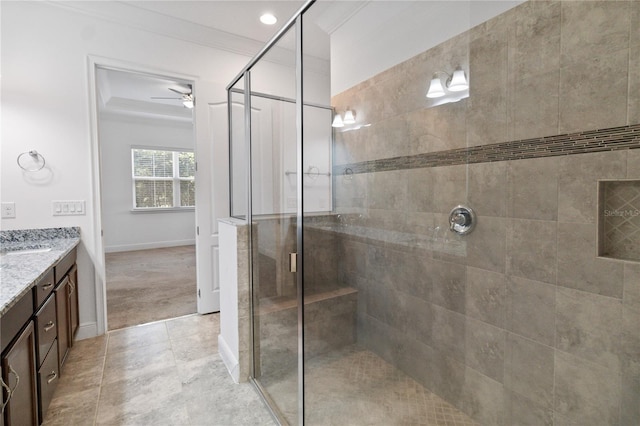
(147, 163)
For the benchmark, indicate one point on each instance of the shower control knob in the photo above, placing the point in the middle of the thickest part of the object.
(458, 219)
(462, 220)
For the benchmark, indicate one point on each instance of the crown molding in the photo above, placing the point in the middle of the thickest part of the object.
(331, 19)
(118, 108)
(124, 14)
(133, 17)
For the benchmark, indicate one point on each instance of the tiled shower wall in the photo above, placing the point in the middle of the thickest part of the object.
(527, 326)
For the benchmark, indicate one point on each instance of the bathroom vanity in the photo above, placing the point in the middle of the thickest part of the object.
(38, 317)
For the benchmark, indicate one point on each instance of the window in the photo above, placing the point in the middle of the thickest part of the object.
(163, 179)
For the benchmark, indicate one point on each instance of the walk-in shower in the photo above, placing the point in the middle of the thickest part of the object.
(467, 257)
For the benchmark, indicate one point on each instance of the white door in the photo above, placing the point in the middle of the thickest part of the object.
(212, 193)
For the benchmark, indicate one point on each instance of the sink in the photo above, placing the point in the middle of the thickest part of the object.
(25, 251)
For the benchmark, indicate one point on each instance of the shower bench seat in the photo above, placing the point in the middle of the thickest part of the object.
(330, 323)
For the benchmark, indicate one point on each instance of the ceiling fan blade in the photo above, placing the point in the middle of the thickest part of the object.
(158, 97)
(179, 92)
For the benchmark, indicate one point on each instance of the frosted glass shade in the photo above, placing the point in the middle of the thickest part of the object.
(458, 82)
(337, 121)
(435, 88)
(348, 117)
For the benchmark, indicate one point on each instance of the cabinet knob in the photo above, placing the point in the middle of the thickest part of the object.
(48, 326)
(47, 286)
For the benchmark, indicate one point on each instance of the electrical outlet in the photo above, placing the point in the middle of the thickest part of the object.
(9, 210)
(68, 208)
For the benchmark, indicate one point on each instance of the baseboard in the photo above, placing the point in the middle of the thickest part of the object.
(87, 331)
(230, 361)
(147, 246)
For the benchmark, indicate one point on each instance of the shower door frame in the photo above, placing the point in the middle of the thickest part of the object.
(295, 20)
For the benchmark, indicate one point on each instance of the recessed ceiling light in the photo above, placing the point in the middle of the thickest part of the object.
(268, 19)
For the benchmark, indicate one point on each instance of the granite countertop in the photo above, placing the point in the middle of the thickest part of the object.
(26, 255)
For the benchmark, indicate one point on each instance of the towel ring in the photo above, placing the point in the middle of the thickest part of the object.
(31, 161)
(348, 174)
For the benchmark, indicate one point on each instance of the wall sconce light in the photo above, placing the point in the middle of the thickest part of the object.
(349, 118)
(454, 83)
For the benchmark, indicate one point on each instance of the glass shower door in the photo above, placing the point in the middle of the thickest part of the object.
(273, 209)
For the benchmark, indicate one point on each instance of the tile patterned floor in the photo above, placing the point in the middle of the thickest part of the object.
(164, 373)
(170, 373)
(353, 386)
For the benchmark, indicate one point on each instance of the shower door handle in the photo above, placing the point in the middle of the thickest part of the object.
(293, 260)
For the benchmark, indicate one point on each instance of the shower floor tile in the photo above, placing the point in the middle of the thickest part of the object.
(353, 386)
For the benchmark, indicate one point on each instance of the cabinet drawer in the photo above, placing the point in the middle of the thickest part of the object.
(46, 328)
(44, 288)
(64, 265)
(48, 380)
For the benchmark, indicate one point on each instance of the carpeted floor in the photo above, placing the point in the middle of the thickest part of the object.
(150, 285)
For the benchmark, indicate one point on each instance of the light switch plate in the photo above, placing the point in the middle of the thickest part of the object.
(9, 210)
(68, 208)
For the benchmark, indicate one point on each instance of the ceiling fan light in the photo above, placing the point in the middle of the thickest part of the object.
(188, 103)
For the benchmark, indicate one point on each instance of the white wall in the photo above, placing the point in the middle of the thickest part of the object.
(124, 229)
(385, 33)
(45, 106)
(228, 339)
(45, 56)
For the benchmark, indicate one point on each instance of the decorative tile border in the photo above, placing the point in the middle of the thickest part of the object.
(612, 139)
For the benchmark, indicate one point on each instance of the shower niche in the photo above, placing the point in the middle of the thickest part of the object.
(619, 219)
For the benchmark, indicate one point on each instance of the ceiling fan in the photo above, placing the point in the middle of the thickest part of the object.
(187, 98)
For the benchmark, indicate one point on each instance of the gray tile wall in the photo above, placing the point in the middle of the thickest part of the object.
(528, 326)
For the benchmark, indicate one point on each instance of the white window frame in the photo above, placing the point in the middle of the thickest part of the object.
(176, 179)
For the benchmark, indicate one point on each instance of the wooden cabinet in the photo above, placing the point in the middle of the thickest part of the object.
(64, 265)
(43, 289)
(19, 373)
(36, 334)
(48, 374)
(66, 305)
(46, 323)
(62, 316)
(74, 318)
(46, 329)
(15, 319)
(67, 313)
(2, 395)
